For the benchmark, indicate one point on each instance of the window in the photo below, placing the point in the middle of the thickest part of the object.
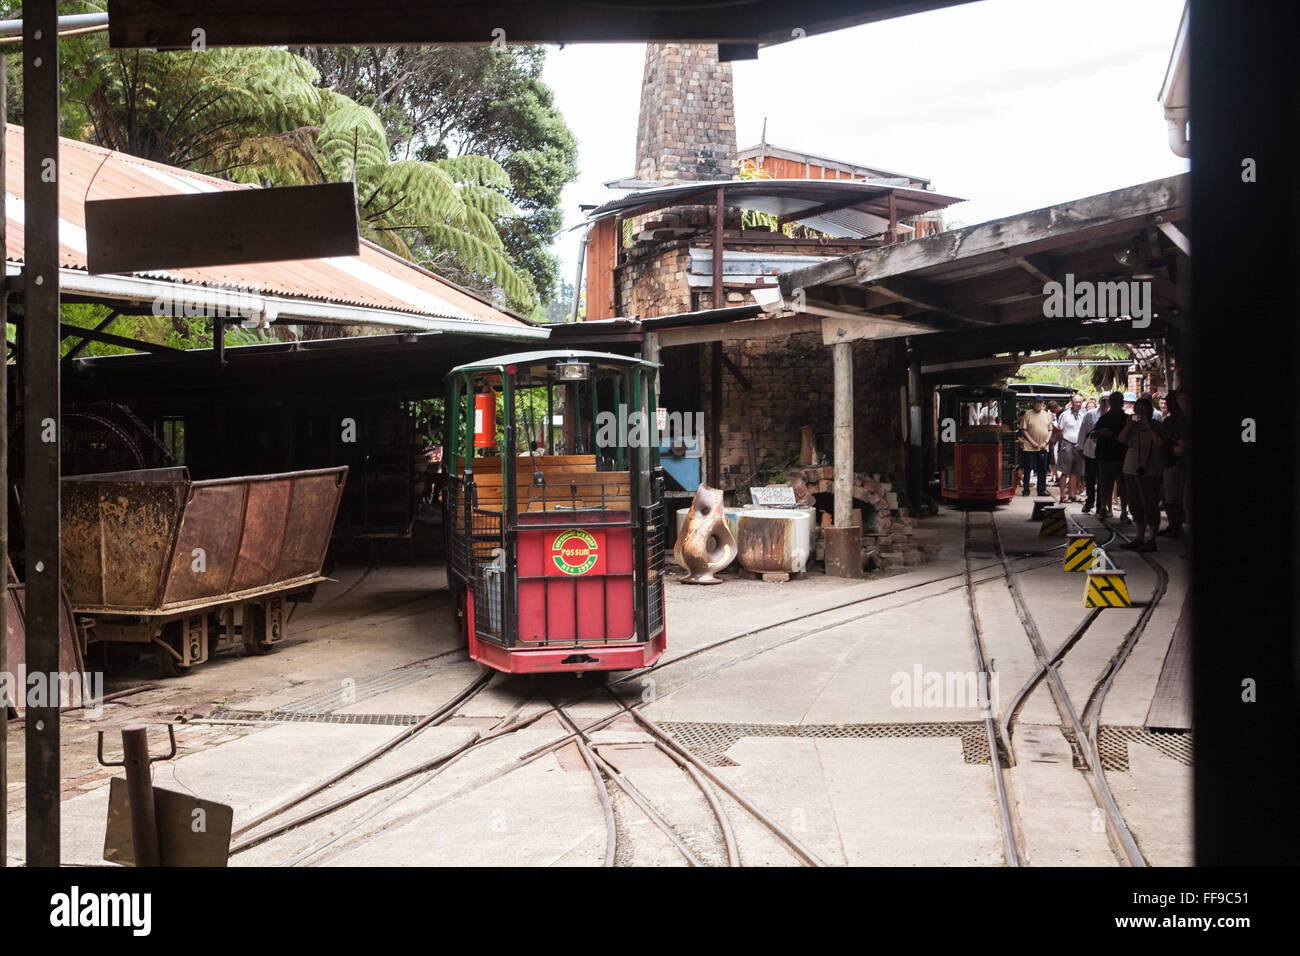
(173, 438)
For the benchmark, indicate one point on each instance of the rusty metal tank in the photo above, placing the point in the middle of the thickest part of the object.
(155, 542)
(774, 539)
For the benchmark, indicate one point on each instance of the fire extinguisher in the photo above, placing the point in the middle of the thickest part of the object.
(485, 420)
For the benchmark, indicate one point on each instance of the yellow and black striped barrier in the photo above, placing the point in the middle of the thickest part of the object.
(1080, 551)
(1053, 525)
(1106, 588)
(1039, 505)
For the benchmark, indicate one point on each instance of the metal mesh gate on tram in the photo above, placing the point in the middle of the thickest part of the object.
(653, 517)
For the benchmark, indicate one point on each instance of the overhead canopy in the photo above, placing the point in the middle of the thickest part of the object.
(857, 209)
(982, 288)
(375, 288)
(989, 283)
(165, 23)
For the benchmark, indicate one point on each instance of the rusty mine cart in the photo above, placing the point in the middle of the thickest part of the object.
(153, 557)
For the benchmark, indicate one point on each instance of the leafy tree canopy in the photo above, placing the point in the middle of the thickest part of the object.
(441, 102)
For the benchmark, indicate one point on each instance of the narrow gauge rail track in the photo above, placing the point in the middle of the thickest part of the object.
(692, 766)
(1084, 742)
(448, 710)
(999, 746)
(437, 765)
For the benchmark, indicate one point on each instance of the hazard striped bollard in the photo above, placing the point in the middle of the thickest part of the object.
(1053, 525)
(1106, 588)
(1080, 551)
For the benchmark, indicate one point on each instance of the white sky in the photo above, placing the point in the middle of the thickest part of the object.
(1011, 104)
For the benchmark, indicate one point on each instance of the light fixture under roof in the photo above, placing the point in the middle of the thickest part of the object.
(572, 371)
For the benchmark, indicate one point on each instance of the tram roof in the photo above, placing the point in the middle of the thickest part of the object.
(533, 358)
(976, 391)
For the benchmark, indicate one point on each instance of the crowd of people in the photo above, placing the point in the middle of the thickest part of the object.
(1097, 450)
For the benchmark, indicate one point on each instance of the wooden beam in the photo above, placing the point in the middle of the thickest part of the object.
(928, 297)
(734, 370)
(1038, 266)
(86, 339)
(978, 343)
(221, 228)
(1177, 237)
(839, 330)
(1107, 214)
(731, 331)
(97, 336)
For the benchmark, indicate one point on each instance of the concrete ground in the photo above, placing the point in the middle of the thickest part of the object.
(856, 731)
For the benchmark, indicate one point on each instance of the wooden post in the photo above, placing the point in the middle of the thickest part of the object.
(715, 417)
(41, 341)
(915, 449)
(651, 353)
(843, 364)
(139, 785)
(718, 230)
(843, 541)
(577, 279)
(893, 216)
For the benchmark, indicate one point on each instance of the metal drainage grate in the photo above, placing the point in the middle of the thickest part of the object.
(357, 691)
(224, 716)
(1113, 743)
(710, 742)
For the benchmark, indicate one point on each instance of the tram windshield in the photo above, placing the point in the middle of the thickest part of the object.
(979, 412)
(558, 416)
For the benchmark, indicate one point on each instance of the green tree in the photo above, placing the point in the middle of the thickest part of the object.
(441, 102)
(262, 115)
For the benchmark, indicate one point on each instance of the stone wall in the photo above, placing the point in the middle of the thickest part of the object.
(652, 281)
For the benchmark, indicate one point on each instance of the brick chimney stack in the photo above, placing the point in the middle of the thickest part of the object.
(687, 127)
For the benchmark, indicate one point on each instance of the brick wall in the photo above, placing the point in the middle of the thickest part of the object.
(791, 385)
(687, 124)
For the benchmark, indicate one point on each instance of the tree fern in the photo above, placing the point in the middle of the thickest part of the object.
(259, 115)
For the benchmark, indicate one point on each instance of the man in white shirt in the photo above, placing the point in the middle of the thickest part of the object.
(1069, 457)
(1089, 448)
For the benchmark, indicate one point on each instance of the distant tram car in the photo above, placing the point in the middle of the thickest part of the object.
(978, 443)
(553, 511)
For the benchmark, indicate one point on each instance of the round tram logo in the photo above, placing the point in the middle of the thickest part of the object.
(979, 467)
(575, 552)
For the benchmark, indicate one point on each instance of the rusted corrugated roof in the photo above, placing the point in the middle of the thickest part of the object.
(375, 279)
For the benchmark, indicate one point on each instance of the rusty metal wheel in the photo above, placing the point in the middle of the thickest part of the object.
(255, 635)
(169, 664)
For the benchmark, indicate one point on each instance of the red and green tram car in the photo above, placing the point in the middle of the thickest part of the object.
(979, 448)
(553, 510)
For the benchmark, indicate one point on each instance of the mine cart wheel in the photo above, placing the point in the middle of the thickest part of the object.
(168, 665)
(255, 630)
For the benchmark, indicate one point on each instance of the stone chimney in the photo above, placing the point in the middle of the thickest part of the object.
(687, 128)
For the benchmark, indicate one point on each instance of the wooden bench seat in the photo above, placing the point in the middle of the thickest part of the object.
(564, 489)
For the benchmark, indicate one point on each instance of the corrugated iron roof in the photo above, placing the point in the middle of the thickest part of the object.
(375, 279)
